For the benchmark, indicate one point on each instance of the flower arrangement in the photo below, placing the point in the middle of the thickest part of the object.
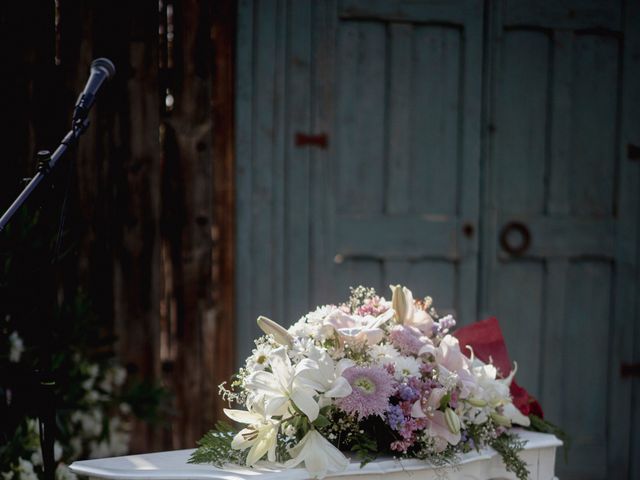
(368, 376)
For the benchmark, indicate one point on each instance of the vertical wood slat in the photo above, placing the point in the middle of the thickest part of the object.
(623, 435)
(297, 168)
(398, 161)
(244, 175)
(552, 367)
(361, 116)
(127, 178)
(220, 357)
(398, 144)
(279, 111)
(436, 141)
(191, 231)
(469, 161)
(263, 138)
(588, 287)
(324, 28)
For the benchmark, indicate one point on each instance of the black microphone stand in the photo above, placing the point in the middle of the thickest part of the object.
(46, 166)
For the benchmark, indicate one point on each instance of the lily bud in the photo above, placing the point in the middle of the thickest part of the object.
(477, 402)
(278, 332)
(500, 419)
(401, 302)
(453, 421)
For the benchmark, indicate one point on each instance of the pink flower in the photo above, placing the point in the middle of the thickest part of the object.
(354, 329)
(406, 339)
(371, 389)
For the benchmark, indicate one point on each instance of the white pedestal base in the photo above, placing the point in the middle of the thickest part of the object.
(539, 454)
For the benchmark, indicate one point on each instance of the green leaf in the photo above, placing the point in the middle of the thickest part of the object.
(444, 402)
(321, 421)
(508, 446)
(215, 447)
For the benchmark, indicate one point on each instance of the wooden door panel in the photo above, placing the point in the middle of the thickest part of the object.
(554, 167)
(594, 125)
(406, 151)
(521, 113)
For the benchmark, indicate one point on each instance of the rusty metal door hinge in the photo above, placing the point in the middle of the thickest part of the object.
(320, 140)
(630, 370)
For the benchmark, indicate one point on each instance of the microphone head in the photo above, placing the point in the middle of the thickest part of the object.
(105, 65)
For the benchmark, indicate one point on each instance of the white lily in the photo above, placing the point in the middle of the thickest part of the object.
(327, 378)
(260, 435)
(320, 457)
(285, 384)
(510, 411)
(277, 331)
(405, 311)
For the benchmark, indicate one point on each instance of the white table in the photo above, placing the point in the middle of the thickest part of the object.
(539, 454)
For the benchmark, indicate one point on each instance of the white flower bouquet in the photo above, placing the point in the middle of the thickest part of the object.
(366, 378)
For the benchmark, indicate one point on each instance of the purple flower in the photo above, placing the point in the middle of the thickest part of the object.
(371, 389)
(407, 393)
(444, 325)
(395, 417)
(406, 339)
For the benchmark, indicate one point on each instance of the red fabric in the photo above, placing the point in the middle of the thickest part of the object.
(487, 342)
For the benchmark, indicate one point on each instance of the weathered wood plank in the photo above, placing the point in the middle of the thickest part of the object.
(522, 115)
(398, 154)
(398, 159)
(522, 325)
(622, 401)
(189, 216)
(449, 12)
(436, 117)
(279, 112)
(264, 136)
(322, 206)
(594, 125)
(297, 177)
(386, 237)
(221, 356)
(565, 236)
(559, 161)
(564, 15)
(355, 272)
(244, 176)
(438, 280)
(470, 164)
(588, 298)
(346, 111)
(553, 366)
(363, 163)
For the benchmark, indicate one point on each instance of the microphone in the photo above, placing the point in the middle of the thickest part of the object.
(101, 69)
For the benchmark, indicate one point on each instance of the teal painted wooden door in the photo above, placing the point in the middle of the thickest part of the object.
(397, 93)
(561, 114)
(403, 166)
(444, 122)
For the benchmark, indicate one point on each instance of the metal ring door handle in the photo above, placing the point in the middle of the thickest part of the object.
(515, 238)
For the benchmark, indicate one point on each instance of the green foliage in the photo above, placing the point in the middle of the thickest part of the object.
(215, 447)
(365, 448)
(508, 446)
